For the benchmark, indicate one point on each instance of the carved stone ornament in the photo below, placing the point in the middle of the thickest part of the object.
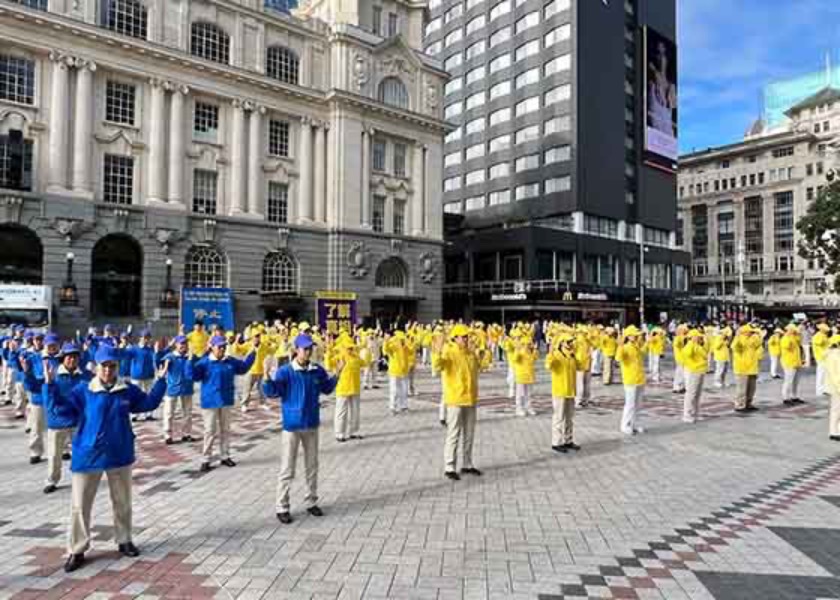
(11, 209)
(167, 238)
(121, 217)
(361, 72)
(357, 260)
(428, 267)
(209, 231)
(283, 234)
(432, 95)
(396, 66)
(71, 229)
(396, 247)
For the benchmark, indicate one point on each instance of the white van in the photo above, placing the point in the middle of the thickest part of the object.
(27, 305)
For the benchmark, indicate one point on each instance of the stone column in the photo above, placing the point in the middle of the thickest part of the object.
(305, 185)
(57, 179)
(256, 151)
(157, 144)
(237, 160)
(320, 180)
(366, 179)
(419, 200)
(83, 127)
(177, 144)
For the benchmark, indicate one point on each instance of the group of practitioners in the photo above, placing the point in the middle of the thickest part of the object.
(91, 389)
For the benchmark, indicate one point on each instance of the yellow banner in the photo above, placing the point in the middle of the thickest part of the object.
(335, 295)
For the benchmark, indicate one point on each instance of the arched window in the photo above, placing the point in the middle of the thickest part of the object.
(205, 266)
(279, 273)
(393, 93)
(391, 273)
(128, 17)
(282, 64)
(116, 276)
(209, 41)
(21, 256)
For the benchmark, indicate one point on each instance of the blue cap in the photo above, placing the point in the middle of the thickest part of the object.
(19, 328)
(180, 339)
(28, 334)
(107, 353)
(218, 340)
(110, 328)
(303, 341)
(38, 334)
(145, 333)
(52, 338)
(69, 348)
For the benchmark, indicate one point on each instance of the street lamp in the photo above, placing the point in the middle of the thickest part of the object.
(642, 249)
(68, 295)
(742, 297)
(168, 297)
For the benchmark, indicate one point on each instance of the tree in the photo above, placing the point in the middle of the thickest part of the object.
(820, 231)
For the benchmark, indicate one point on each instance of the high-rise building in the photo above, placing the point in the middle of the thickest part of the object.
(780, 96)
(558, 176)
(147, 145)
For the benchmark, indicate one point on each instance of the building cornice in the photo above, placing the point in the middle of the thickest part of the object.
(745, 147)
(374, 107)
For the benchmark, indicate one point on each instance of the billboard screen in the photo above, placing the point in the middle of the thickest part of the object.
(660, 97)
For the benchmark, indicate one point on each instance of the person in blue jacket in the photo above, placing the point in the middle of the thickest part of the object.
(17, 346)
(58, 383)
(141, 364)
(216, 373)
(299, 384)
(44, 349)
(179, 388)
(104, 444)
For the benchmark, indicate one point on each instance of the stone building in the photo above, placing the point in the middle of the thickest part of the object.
(150, 144)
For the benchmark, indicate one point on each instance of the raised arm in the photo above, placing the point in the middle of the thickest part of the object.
(142, 402)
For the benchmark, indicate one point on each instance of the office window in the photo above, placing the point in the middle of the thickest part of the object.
(529, 190)
(600, 226)
(452, 136)
(476, 49)
(558, 34)
(451, 184)
(453, 110)
(434, 48)
(558, 94)
(527, 134)
(558, 154)
(282, 64)
(210, 42)
(474, 151)
(531, 48)
(528, 77)
(434, 25)
(473, 3)
(726, 233)
(499, 170)
(500, 142)
(475, 24)
(499, 197)
(379, 155)
(783, 221)
(475, 100)
(558, 124)
(500, 89)
(128, 17)
(393, 93)
(452, 159)
(278, 202)
(453, 85)
(473, 177)
(761, 178)
(453, 208)
(499, 116)
(526, 163)
(453, 61)
(502, 8)
(204, 191)
(558, 64)
(379, 214)
(558, 184)
(474, 126)
(399, 217)
(17, 79)
(555, 6)
(205, 120)
(700, 231)
(119, 102)
(278, 138)
(377, 21)
(454, 36)
(36, 4)
(476, 74)
(118, 179)
(474, 203)
(453, 13)
(809, 193)
(499, 36)
(532, 19)
(753, 225)
(527, 106)
(400, 151)
(782, 152)
(280, 273)
(14, 174)
(499, 63)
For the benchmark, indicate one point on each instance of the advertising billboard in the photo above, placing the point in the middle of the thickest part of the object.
(660, 99)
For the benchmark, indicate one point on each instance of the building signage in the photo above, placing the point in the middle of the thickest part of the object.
(211, 306)
(660, 97)
(336, 311)
(508, 297)
(592, 297)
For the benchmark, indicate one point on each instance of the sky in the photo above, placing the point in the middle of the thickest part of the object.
(729, 49)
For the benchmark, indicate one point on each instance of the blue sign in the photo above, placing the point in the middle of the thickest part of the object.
(208, 305)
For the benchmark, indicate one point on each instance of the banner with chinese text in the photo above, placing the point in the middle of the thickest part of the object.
(336, 311)
(208, 305)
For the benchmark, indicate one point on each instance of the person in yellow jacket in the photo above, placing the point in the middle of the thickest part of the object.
(523, 359)
(819, 348)
(630, 355)
(345, 358)
(679, 369)
(397, 349)
(774, 349)
(411, 353)
(695, 356)
(253, 377)
(831, 365)
(458, 363)
(583, 361)
(791, 359)
(561, 362)
(507, 345)
(597, 355)
(609, 344)
(656, 349)
(720, 353)
(197, 340)
(747, 352)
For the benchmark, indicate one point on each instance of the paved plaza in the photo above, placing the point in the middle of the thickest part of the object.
(731, 508)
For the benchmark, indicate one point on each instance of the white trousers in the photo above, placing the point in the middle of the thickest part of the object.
(679, 378)
(790, 385)
(774, 366)
(563, 421)
(583, 388)
(84, 490)
(633, 395)
(821, 389)
(369, 376)
(170, 403)
(57, 442)
(346, 419)
(721, 371)
(596, 362)
(691, 400)
(216, 426)
(523, 398)
(511, 381)
(397, 393)
(290, 441)
(654, 366)
(460, 429)
(37, 424)
(249, 382)
(834, 416)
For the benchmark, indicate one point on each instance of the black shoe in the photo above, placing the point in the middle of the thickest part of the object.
(452, 475)
(572, 446)
(741, 410)
(18, 417)
(315, 511)
(340, 440)
(752, 408)
(559, 449)
(284, 518)
(798, 401)
(66, 456)
(128, 549)
(27, 430)
(443, 422)
(787, 402)
(50, 488)
(187, 438)
(228, 462)
(74, 561)
(168, 441)
(205, 467)
(834, 438)
(470, 471)
(134, 419)
(34, 460)
(151, 418)
(357, 437)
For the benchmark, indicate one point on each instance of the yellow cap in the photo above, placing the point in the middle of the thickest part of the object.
(459, 330)
(632, 331)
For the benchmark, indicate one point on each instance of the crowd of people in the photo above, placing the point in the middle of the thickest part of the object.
(80, 396)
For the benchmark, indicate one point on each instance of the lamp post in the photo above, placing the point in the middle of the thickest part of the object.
(741, 295)
(68, 295)
(168, 297)
(642, 282)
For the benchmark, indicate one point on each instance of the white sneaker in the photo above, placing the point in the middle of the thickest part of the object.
(627, 431)
(520, 412)
(638, 430)
(532, 412)
(244, 408)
